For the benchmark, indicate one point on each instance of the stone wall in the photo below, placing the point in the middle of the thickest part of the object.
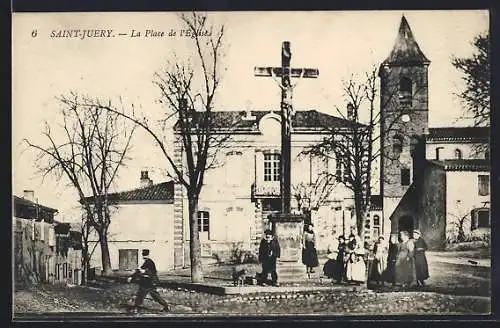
(432, 205)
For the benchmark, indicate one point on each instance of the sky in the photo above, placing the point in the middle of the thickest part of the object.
(338, 43)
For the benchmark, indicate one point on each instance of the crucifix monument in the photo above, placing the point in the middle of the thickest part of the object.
(288, 227)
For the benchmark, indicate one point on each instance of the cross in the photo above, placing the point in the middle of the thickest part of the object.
(286, 73)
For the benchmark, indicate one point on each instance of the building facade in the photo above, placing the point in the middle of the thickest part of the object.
(42, 253)
(142, 218)
(240, 194)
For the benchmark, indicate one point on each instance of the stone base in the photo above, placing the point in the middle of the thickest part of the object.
(291, 271)
(289, 229)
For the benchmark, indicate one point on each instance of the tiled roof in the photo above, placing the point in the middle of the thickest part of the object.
(157, 192)
(303, 119)
(26, 209)
(464, 164)
(376, 202)
(406, 49)
(470, 133)
(26, 202)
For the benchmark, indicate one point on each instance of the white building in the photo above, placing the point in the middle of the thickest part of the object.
(141, 219)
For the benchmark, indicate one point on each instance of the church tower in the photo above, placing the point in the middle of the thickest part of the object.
(404, 111)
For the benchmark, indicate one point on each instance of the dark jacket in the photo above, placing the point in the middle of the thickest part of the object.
(150, 275)
(269, 251)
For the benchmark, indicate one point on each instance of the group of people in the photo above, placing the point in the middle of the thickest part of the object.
(400, 262)
(347, 262)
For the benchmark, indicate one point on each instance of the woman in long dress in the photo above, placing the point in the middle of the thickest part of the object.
(379, 263)
(331, 263)
(405, 266)
(421, 266)
(356, 266)
(340, 263)
(309, 254)
(392, 254)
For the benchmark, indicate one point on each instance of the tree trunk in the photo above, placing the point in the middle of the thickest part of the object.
(105, 259)
(358, 207)
(194, 241)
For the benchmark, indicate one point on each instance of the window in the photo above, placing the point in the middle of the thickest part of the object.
(405, 85)
(483, 219)
(272, 167)
(480, 218)
(405, 91)
(458, 154)
(376, 220)
(483, 185)
(203, 221)
(405, 177)
(438, 150)
(338, 170)
(271, 204)
(397, 145)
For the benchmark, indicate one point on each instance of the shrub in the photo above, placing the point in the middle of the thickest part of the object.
(239, 255)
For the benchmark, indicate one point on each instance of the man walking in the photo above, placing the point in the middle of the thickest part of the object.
(269, 252)
(147, 279)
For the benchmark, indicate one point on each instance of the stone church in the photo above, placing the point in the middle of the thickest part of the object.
(434, 179)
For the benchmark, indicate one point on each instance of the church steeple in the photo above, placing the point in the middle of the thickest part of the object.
(406, 50)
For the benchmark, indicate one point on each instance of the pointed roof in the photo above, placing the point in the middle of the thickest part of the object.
(406, 49)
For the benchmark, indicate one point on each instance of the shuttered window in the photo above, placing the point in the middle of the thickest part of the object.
(483, 185)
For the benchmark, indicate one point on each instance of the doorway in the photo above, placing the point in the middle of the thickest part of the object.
(128, 259)
(405, 223)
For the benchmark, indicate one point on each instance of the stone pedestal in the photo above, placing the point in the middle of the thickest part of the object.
(289, 229)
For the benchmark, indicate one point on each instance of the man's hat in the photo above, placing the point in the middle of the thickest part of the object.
(416, 231)
(145, 252)
(268, 232)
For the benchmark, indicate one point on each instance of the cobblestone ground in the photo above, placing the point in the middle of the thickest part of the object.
(453, 289)
(109, 300)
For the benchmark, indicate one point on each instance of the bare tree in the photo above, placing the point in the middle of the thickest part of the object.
(88, 153)
(188, 91)
(476, 75)
(355, 146)
(310, 196)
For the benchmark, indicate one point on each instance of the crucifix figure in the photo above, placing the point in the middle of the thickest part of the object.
(286, 73)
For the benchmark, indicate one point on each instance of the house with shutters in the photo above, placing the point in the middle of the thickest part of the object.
(45, 250)
(142, 218)
(240, 193)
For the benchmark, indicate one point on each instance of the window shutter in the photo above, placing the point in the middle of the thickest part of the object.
(32, 228)
(473, 216)
(259, 167)
(51, 236)
(42, 230)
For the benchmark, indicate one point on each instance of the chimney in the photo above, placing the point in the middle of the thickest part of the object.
(248, 112)
(29, 195)
(350, 111)
(145, 180)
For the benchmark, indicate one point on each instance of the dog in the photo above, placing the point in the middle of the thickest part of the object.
(239, 277)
